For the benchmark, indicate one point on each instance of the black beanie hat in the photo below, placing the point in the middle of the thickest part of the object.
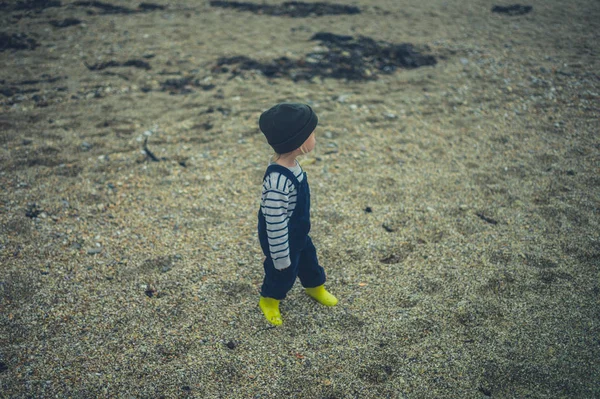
(288, 125)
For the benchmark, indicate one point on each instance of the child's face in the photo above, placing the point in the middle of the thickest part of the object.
(310, 143)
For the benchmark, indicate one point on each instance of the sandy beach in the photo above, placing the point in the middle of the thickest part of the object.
(455, 199)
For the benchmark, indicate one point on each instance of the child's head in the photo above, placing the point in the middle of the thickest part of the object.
(289, 127)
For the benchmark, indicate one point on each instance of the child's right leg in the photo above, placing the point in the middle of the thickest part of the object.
(270, 308)
(276, 285)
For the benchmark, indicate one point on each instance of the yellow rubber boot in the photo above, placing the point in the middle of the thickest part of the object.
(270, 308)
(321, 295)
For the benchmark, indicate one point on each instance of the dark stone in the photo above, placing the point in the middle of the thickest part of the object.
(391, 259)
(231, 345)
(388, 228)
(368, 209)
(32, 211)
(3, 367)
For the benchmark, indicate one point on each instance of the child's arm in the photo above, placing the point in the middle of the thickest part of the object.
(275, 206)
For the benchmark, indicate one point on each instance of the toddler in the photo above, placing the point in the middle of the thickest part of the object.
(284, 215)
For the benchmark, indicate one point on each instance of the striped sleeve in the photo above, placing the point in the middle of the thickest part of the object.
(275, 206)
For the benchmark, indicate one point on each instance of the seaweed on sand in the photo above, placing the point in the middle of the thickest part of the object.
(30, 5)
(293, 9)
(112, 9)
(17, 41)
(515, 9)
(346, 57)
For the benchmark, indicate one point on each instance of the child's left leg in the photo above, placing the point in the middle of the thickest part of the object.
(312, 276)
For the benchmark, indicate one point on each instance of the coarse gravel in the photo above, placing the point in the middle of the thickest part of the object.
(455, 207)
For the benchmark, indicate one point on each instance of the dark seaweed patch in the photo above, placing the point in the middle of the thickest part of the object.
(11, 91)
(515, 9)
(486, 218)
(346, 57)
(150, 7)
(391, 259)
(16, 41)
(32, 211)
(149, 153)
(31, 5)
(376, 373)
(45, 79)
(399, 254)
(178, 85)
(293, 9)
(65, 22)
(184, 85)
(107, 8)
(540, 262)
(111, 64)
(14, 88)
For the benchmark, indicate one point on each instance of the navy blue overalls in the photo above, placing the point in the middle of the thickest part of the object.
(303, 255)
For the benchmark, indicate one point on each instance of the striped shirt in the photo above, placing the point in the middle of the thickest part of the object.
(277, 204)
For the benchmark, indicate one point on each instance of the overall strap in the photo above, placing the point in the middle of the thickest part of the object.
(274, 167)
